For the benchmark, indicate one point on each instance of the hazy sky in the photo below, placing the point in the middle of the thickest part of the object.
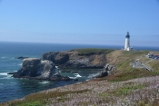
(103, 22)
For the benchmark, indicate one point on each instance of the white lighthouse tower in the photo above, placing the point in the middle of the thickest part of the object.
(127, 42)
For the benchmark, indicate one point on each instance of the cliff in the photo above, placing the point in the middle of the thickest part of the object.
(79, 58)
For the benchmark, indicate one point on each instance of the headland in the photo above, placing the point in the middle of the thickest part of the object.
(126, 85)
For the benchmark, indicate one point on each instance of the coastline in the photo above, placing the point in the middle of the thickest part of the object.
(107, 87)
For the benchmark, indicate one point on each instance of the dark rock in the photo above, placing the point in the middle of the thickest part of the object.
(102, 74)
(21, 57)
(48, 56)
(30, 67)
(60, 78)
(11, 73)
(60, 58)
(33, 67)
(56, 57)
(105, 72)
(75, 79)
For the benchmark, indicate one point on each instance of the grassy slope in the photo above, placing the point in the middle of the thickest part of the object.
(104, 91)
(123, 70)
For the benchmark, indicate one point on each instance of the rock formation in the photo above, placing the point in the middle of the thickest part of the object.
(39, 69)
(21, 57)
(56, 57)
(106, 71)
(72, 59)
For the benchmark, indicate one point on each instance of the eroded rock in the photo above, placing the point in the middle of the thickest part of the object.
(34, 68)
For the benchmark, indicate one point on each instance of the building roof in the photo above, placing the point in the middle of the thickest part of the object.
(127, 36)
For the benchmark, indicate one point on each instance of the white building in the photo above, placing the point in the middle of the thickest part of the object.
(127, 42)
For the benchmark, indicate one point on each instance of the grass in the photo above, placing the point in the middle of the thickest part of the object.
(142, 103)
(33, 103)
(123, 71)
(91, 51)
(128, 75)
(125, 90)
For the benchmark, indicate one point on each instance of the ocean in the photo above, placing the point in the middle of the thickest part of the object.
(14, 88)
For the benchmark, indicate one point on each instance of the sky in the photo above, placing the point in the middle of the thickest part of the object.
(102, 22)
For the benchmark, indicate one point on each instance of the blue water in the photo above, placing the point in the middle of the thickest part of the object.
(12, 88)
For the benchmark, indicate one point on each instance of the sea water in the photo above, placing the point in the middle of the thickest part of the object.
(14, 88)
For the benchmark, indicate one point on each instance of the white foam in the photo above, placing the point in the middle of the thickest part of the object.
(44, 82)
(3, 57)
(56, 67)
(92, 75)
(20, 64)
(4, 74)
(73, 77)
(77, 75)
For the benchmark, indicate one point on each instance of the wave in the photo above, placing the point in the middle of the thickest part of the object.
(44, 82)
(77, 75)
(56, 67)
(3, 57)
(6, 78)
(4, 74)
(20, 64)
(93, 75)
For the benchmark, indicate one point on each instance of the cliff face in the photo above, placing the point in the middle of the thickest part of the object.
(73, 59)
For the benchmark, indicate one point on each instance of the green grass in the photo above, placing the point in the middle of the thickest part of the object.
(123, 70)
(142, 103)
(122, 91)
(125, 90)
(33, 103)
(91, 51)
(132, 74)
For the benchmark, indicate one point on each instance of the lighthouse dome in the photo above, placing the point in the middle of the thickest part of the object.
(127, 36)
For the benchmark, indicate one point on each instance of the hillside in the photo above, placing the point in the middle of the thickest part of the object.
(125, 86)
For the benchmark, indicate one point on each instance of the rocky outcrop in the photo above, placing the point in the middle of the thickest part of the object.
(34, 68)
(56, 57)
(72, 59)
(106, 71)
(21, 57)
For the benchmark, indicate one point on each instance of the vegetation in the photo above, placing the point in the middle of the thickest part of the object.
(126, 89)
(91, 51)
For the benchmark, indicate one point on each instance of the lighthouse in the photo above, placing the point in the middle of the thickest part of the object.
(127, 42)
